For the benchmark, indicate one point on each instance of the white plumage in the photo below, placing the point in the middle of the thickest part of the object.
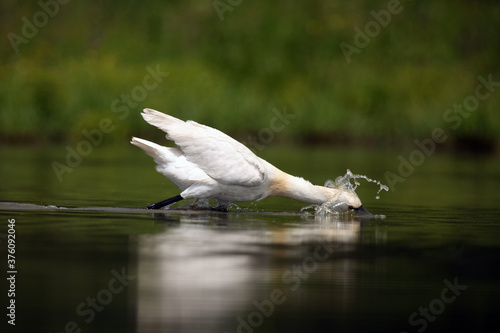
(211, 164)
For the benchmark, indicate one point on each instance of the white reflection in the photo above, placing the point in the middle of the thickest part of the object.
(201, 276)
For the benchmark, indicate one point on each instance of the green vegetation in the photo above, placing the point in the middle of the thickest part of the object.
(231, 73)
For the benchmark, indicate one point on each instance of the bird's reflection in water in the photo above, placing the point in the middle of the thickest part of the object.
(204, 272)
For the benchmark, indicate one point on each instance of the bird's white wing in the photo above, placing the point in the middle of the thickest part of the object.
(217, 154)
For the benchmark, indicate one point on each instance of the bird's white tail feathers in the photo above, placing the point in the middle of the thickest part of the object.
(162, 155)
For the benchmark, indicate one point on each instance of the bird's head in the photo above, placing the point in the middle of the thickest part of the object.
(344, 197)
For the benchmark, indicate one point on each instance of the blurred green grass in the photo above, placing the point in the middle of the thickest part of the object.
(230, 74)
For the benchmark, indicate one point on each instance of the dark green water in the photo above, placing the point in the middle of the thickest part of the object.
(431, 266)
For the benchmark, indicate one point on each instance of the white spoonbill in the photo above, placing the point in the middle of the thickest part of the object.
(211, 164)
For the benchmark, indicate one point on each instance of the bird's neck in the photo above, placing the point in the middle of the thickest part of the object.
(285, 185)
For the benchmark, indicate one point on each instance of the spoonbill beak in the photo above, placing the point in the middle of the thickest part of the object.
(361, 211)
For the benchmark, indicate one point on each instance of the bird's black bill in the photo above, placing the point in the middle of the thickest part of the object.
(361, 211)
(165, 202)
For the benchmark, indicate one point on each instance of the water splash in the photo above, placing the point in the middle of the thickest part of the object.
(198, 204)
(343, 183)
(329, 208)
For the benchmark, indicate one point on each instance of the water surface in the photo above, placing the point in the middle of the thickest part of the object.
(431, 265)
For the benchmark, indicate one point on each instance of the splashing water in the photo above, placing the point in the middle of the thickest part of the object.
(346, 181)
(343, 183)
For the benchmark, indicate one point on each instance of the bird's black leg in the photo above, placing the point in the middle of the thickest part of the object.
(166, 202)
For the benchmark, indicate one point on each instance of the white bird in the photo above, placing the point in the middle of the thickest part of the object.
(211, 164)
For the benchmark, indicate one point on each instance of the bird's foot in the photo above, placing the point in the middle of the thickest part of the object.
(222, 209)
